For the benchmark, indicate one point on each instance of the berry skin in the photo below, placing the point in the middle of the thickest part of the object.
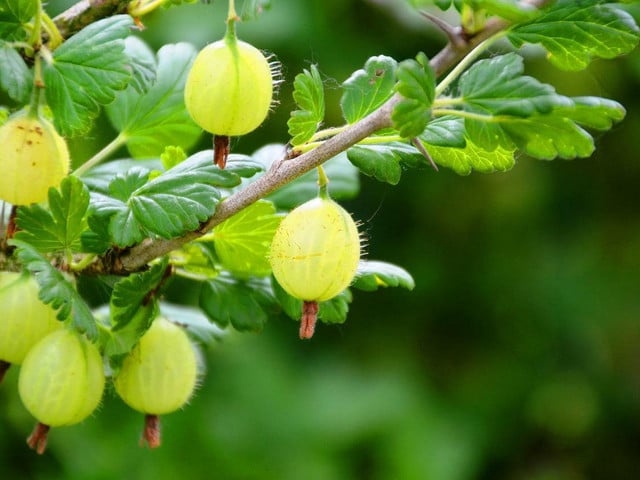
(33, 158)
(24, 319)
(159, 375)
(315, 251)
(62, 379)
(229, 89)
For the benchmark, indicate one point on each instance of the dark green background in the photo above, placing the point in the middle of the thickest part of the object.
(517, 356)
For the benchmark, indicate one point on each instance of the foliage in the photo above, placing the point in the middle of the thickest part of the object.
(483, 116)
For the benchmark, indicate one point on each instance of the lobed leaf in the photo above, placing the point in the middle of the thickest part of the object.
(158, 117)
(56, 290)
(384, 162)
(472, 157)
(15, 76)
(14, 14)
(61, 226)
(575, 32)
(242, 242)
(245, 304)
(445, 131)
(372, 275)
(368, 88)
(308, 94)
(416, 84)
(86, 71)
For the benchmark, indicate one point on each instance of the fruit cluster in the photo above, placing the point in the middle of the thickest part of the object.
(62, 377)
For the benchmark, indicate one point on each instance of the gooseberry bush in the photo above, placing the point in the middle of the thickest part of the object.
(219, 218)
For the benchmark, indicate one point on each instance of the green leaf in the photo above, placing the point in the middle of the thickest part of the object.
(60, 227)
(252, 9)
(86, 72)
(334, 310)
(546, 137)
(343, 184)
(158, 117)
(99, 178)
(242, 242)
(511, 10)
(574, 32)
(120, 340)
(308, 94)
(593, 112)
(245, 304)
(193, 321)
(56, 290)
(446, 131)
(372, 275)
(13, 15)
(15, 76)
(172, 156)
(416, 84)
(384, 162)
(172, 203)
(368, 88)
(196, 260)
(142, 63)
(496, 86)
(472, 157)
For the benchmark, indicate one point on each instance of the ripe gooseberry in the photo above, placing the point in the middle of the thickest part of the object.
(158, 376)
(314, 254)
(61, 382)
(229, 90)
(33, 158)
(24, 319)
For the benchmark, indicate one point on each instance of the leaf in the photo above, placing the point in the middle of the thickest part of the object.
(142, 63)
(593, 112)
(86, 72)
(546, 137)
(343, 184)
(15, 76)
(368, 88)
(496, 86)
(446, 131)
(119, 342)
(308, 94)
(574, 32)
(416, 84)
(60, 227)
(196, 260)
(242, 242)
(334, 310)
(372, 275)
(99, 178)
(13, 15)
(157, 118)
(171, 204)
(172, 156)
(193, 321)
(472, 157)
(56, 290)
(511, 10)
(252, 9)
(384, 162)
(245, 304)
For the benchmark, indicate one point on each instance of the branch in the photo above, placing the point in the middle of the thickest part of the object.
(86, 12)
(137, 257)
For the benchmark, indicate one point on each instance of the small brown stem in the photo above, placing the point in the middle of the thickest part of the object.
(308, 320)
(4, 366)
(220, 150)
(12, 228)
(151, 432)
(38, 438)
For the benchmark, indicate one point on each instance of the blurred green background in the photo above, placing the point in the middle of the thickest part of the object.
(517, 356)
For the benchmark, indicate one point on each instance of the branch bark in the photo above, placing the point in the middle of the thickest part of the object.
(137, 257)
(85, 12)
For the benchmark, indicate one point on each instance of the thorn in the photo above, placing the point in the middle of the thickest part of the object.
(454, 34)
(418, 144)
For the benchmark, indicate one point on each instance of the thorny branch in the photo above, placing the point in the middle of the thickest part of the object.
(137, 257)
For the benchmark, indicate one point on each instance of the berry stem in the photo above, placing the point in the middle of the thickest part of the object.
(323, 183)
(38, 438)
(4, 366)
(232, 18)
(308, 320)
(151, 432)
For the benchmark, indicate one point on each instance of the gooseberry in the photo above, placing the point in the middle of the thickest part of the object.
(61, 382)
(24, 319)
(159, 375)
(314, 255)
(33, 158)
